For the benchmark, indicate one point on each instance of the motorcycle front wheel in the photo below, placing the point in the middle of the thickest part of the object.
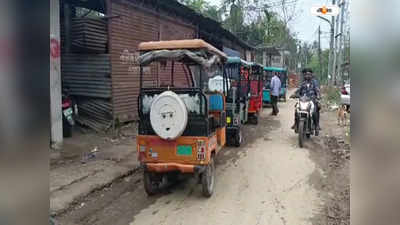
(301, 133)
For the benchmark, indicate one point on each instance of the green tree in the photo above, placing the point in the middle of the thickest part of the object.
(321, 72)
(254, 22)
(204, 8)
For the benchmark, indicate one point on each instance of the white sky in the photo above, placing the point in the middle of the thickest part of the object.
(305, 24)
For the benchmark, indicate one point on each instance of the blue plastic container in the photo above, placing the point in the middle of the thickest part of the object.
(266, 96)
(216, 103)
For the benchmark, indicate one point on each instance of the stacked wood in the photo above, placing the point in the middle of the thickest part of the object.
(89, 35)
(95, 113)
(86, 75)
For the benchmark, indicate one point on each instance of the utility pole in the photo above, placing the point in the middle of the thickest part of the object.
(342, 6)
(55, 76)
(332, 32)
(335, 51)
(331, 48)
(319, 51)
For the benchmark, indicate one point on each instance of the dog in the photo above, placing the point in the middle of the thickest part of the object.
(342, 115)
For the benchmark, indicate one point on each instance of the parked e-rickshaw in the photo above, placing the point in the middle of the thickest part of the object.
(181, 129)
(237, 100)
(284, 83)
(268, 73)
(256, 83)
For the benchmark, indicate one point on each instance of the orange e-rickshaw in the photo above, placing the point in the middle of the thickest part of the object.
(181, 129)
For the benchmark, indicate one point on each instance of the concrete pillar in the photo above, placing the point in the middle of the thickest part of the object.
(55, 75)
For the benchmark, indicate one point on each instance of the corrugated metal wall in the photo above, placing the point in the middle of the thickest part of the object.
(126, 32)
(173, 31)
(135, 25)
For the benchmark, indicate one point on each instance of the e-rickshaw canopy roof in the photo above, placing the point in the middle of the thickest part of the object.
(194, 44)
(274, 69)
(232, 60)
(193, 51)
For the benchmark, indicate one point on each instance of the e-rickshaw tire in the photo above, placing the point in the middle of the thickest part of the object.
(208, 179)
(67, 129)
(148, 181)
(255, 119)
(168, 115)
(238, 138)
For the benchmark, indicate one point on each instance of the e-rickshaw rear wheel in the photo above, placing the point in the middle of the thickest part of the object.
(151, 184)
(238, 138)
(208, 179)
(254, 119)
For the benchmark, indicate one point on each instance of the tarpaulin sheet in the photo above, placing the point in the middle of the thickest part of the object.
(200, 57)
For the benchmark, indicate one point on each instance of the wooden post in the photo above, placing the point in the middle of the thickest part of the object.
(55, 75)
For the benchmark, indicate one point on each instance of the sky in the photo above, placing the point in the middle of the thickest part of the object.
(305, 25)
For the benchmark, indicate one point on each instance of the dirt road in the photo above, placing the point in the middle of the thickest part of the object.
(268, 180)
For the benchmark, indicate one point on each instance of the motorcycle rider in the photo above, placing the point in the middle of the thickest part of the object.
(309, 88)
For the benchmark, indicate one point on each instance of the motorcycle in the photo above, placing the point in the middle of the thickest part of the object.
(69, 110)
(304, 126)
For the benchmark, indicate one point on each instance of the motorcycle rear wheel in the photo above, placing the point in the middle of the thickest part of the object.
(67, 129)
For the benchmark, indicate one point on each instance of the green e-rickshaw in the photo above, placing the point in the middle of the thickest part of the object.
(268, 73)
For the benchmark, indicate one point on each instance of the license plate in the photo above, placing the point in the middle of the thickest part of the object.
(67, 112)
(228, 119)
(184, 150)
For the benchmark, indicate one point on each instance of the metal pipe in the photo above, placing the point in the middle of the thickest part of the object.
(332, 34)
(140, 77)
(172, 73)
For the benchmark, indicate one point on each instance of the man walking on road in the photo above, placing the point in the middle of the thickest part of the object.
(275, 91)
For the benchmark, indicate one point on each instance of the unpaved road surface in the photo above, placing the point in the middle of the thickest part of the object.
(268, 180)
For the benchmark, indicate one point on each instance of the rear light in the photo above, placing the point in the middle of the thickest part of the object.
(141, 156)
(201, 150)
(344, 92)
(66, 104)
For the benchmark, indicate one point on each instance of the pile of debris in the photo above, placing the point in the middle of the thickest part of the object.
(95, 113)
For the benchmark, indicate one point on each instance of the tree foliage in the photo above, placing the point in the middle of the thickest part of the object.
(255, 22)
(320, 72)
(204, 8)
